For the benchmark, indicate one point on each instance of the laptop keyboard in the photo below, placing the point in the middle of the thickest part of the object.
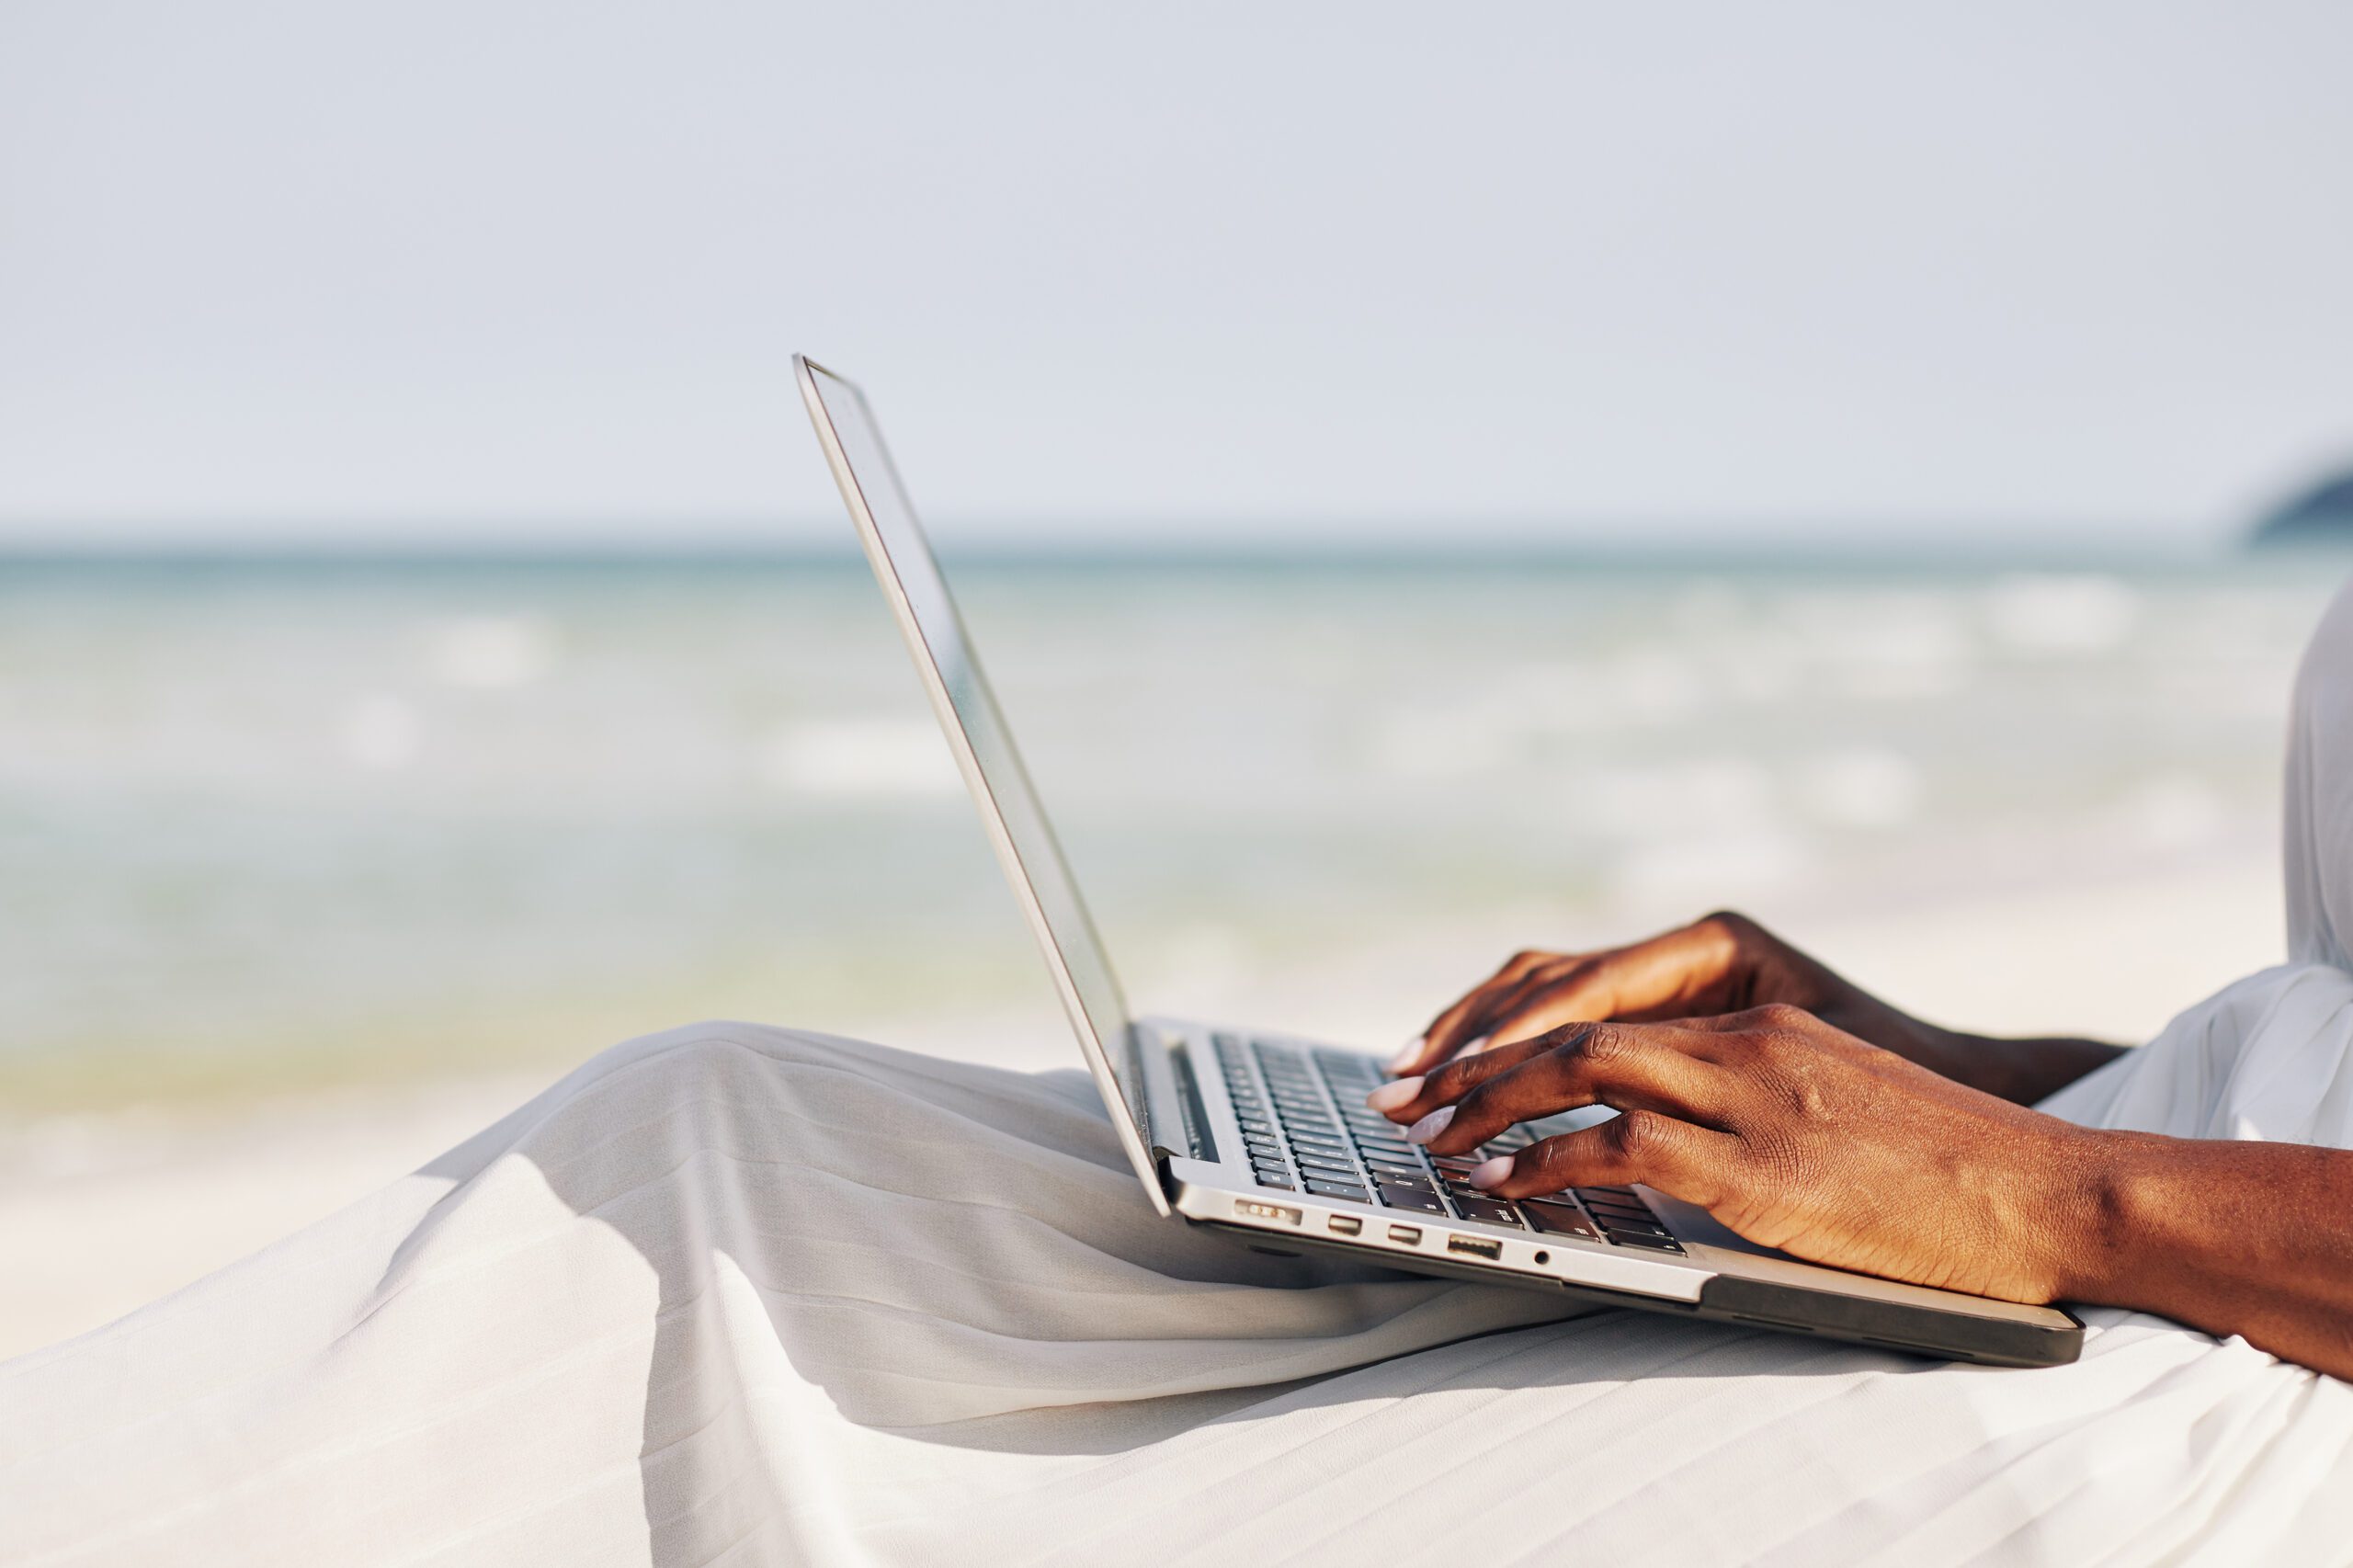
(1307, 1129)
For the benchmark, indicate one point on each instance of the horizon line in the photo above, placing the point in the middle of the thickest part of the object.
(2022, 551)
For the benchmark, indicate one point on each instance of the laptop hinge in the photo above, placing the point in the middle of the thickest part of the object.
(1153, 1056)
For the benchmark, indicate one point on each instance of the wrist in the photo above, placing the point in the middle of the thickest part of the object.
(2109, 1189)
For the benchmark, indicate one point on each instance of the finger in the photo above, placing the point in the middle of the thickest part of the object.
(1410, 1100)
(1696, 1164)
(1679, 974)
(1506, 1002)
(1458, 1023)
(1626, 1067)
(1454, 1027)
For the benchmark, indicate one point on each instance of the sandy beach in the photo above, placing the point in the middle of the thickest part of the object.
(103, 1212)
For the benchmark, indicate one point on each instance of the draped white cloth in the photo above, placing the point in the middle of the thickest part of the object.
(743, 1295)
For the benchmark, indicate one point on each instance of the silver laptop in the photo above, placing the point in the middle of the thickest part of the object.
(1267, 1137)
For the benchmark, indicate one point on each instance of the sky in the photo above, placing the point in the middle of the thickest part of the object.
(530, 271)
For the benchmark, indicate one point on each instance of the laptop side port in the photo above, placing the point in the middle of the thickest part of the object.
(1261, 1210)
(1344, 1224)
(1477, 1247)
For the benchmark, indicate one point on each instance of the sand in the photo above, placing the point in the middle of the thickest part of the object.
(101, 1213)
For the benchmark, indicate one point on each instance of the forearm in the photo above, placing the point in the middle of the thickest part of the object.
(2245, 1238)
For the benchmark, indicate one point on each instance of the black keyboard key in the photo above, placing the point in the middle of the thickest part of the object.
(1559, 1218)
(1338, 1189)
(1642, 1239)
(1330, 1170)
(1277, 1178)
(1486, 1210)
(1419, 1199)
(1606, 1208)
(1614, 1227)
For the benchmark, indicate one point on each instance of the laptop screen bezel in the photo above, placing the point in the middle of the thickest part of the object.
(936, 636)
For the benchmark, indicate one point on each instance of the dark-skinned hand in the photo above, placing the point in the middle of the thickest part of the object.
(1727, 963)
(1791, 1131)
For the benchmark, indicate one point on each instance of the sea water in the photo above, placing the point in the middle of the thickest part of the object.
(266, 820)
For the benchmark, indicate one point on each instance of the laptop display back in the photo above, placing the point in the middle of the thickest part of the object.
(977, 733)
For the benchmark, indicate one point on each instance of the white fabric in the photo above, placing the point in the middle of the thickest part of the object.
(742, 1295)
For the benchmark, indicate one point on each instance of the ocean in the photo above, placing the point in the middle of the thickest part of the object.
(267, 823)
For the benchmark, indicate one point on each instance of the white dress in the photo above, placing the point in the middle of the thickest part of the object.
(744, 1295)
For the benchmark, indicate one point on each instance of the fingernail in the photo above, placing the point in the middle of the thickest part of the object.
(1492, 1172)
(1406, 1056)
(1389, 1096)
(1430, 1126)
(1472, 1046)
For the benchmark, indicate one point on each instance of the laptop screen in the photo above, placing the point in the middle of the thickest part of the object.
(903, 558)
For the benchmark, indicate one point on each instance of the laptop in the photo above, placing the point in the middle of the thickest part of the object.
(1266, 1136)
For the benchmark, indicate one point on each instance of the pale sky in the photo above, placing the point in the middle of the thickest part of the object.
(522, 271)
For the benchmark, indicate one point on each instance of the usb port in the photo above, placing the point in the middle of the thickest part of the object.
(1477, 1247)
(1344, 1224)
(1258, 1211)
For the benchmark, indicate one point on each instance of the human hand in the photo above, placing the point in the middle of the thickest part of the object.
(1791, 1132)
(1719, 964)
